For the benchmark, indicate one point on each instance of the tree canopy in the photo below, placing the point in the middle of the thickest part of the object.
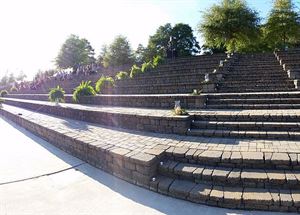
(231, 24)
(183, 39)
(118, 53)
(75, 52)
(283, 25)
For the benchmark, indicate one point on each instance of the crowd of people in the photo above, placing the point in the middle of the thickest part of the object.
(43, 77)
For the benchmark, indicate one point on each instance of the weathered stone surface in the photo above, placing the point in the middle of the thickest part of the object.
(220, 174)
(207, 174)
(233, 195)
(180, 152)
(144, 159)
(200, 193)
(181, 189)
(296, 197)
(185, 170)
(198, 172)
(280, 159)
(210, 157)
(250, 175)
(276, 176)
(164, 184)
(217, 194)
(155, 151)
(256, 196)
(286, 198)
(234, 176)
(252, 157)
(236, 158)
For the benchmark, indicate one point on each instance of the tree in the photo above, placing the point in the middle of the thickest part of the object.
(183, 41)
(140, 54)
(231, 24)
(75, 52)
(118, 53)
(21, 76)
(283, 25)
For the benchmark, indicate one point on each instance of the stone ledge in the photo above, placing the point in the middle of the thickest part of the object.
(134, 167)
(143, 119)
(144, 101)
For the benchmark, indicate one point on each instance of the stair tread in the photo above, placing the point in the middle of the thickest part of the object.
(226, 196)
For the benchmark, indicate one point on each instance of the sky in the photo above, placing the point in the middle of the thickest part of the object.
(33, 31)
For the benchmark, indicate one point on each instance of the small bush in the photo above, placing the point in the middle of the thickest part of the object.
(147, 66)
(57, 94)
(122, 75)
(104, 83)
(157, 60)
(179, 111)
(3, 93)
(134, 71)
(13, 89)
(84, 89)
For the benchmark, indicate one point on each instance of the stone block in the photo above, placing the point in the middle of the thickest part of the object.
(200, 193)
(144, 159)
(280, 159)
(164, 184)
(181, 189)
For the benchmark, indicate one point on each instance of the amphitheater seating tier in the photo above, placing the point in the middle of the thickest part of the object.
(238, 147)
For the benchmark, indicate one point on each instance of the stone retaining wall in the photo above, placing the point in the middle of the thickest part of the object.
(161, 124)
(135, 167)
(151, 101)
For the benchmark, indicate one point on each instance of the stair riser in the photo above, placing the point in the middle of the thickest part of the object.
(236, 182)
(243, 134)
(249, 127)
(253, 102)
(245, 118)
(255, 96)
(255, 106)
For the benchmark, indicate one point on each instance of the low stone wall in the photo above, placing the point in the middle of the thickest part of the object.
(161, 124)
(134, 167)
(150, 101)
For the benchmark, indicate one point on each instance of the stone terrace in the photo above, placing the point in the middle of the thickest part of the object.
(202, 170)
(237, 148)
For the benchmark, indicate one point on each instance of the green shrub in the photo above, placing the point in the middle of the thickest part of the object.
(122, 75)
(3, 93)
(104, 82)
(84, 89)
(147, 66)
(57, 94)
(157, 60)
(134, 71)
(13, 89)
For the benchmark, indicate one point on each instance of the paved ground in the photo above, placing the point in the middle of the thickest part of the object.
(69, 186)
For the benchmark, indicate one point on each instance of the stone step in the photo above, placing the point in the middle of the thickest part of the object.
(257, 82)
(252, 85)
(278, 135)
(254, 101)
(260, 95)
(126, 154)
(256, 89)
(247, 126)
(247, 115)
(143, 119)
(237, 77)
(229, 197)
(227, 176)
(253, 106)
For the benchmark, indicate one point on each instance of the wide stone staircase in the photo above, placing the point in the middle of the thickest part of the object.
(181, 75)
(256, 73)
(238, 147)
